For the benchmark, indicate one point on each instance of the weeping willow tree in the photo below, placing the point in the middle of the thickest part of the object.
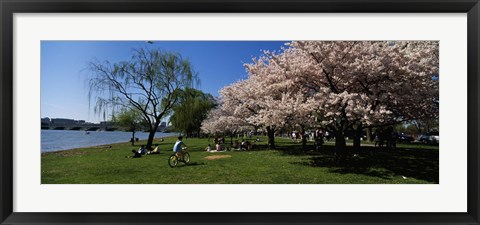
(191, 110)
(150, 83)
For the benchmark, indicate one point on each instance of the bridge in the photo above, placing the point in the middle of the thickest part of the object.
(84, 126)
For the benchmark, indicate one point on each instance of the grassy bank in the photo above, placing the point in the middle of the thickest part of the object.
(289, 164)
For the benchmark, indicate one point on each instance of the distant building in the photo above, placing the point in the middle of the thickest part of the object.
(62, 121)
(161, 127)
(45, 123)
(45, 120)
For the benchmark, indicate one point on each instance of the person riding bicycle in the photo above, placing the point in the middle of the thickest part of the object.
(177, 148)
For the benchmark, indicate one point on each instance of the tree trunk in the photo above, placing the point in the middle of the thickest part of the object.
(340, 143)
(151, 135)
(271, 137)
(304, 137)
(133, 136)
(357, 138)
(369, 134)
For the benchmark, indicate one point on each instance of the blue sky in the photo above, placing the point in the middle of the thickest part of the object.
(64, 89)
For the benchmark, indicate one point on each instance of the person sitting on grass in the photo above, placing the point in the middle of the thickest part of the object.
(177, 148)
(156, 150)
(135, 155)
(208, 148)
(248, 145)
(243, 145)
(142, 150)
(236, 145)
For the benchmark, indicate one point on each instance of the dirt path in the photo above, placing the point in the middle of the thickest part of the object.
(213, 157)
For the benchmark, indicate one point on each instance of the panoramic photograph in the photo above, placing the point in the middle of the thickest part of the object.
(240, 112)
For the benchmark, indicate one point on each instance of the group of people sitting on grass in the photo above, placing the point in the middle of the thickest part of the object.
(220, 145)
(244, 145)
(144, 151)
(218, 148)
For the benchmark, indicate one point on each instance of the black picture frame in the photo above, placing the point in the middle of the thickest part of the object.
(10, 7)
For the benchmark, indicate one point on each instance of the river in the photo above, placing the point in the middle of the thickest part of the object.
(55, 140)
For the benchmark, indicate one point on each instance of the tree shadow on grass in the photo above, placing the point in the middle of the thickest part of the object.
(190, 164)
(421, 164)
(286, 146)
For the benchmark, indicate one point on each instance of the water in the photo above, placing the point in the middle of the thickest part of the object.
(55, 140)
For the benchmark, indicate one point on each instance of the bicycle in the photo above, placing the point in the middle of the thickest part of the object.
(174, 159)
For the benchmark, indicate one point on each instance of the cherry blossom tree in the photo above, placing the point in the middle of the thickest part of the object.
(342, 85)
(223, 121)
(279, 98)
(219, 121)
(357, 84)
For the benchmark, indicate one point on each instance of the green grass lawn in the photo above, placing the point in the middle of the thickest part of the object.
(289, 164)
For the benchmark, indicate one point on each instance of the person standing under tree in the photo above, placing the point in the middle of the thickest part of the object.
(132, 141)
